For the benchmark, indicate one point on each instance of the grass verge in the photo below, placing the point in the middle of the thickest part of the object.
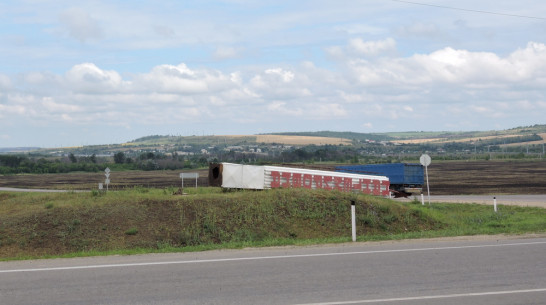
(140, 220)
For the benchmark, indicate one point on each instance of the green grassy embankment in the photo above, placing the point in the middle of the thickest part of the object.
(38, 225)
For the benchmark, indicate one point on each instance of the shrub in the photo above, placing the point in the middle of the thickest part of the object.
(131, 231)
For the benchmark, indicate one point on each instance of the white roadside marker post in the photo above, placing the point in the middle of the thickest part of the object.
(495, 204)
(353, 219)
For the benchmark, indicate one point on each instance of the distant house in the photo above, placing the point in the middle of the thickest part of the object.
(184, 153)
(234, 148)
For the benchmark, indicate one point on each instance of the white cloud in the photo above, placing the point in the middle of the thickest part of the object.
(42, 79)
(227, 53)
(13, 110)
(445, 87)
(164, 31)
(372, 48)
(283, 109)
(285, 76)
(88, 78)
(5, 83)
(80, 24)
(50, 106)
(451, 66)
(182, 80)
(327, 111)
(357, 48)
(419, 29)
(407, 108)
(279, 83)
(360, 29)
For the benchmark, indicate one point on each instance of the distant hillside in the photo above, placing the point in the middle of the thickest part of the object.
(340, 135)
(17, 149)
(192, 140)
(442, 141)
(298, 140)
(301, 140)
(526, 134)
(535, 134)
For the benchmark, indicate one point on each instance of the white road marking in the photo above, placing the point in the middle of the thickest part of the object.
(430, 297)
(264, 257)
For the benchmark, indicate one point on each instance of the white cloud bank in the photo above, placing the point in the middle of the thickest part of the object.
(370, 86)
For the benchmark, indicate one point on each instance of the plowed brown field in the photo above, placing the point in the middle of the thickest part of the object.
(487, 177)
(446, 178)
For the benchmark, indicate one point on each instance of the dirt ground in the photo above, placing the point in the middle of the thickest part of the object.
(118, 180)
(487, 177)
(445, 178)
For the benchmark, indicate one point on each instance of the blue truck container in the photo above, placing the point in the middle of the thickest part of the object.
(405, 178)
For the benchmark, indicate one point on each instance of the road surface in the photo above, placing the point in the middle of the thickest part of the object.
(519, 200)
(496, 270)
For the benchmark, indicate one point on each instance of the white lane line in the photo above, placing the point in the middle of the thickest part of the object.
(199, 261)
(430, 297)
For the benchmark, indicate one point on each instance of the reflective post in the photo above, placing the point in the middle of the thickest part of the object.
(353, 219)
(495, 204)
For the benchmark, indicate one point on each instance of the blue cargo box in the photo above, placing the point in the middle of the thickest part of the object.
(398, 173)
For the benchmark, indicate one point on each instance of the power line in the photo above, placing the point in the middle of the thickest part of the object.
(469, 10)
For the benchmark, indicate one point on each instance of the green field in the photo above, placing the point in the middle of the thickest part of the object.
(141, 220)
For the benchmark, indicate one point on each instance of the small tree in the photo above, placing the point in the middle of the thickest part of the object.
(72, 158)
(119, 158)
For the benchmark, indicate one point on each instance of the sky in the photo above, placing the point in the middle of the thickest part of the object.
(76, 73)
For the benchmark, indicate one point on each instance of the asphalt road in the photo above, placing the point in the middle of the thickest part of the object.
(461, 271)
(519, 200)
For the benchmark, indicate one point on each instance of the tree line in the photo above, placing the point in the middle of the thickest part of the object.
(364, 154)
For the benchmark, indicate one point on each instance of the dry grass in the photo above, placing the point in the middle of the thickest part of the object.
(449, 140)
(39, 225)
(543, 141)
(301, 140)
(420, 141)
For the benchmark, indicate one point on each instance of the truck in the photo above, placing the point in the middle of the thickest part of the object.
(237, 176)
(405, 179)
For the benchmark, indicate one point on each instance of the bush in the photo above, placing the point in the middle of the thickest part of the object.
(131, 231)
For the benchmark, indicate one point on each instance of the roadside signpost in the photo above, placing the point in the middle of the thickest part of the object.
(189, 176)
(425, 161)
(107, 174)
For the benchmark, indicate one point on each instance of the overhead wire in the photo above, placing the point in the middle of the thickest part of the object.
(468, 10)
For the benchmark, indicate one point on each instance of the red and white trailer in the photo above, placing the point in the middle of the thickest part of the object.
(237, 176)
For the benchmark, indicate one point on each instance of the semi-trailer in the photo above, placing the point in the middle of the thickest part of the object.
(238, 176)
(406, 179)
